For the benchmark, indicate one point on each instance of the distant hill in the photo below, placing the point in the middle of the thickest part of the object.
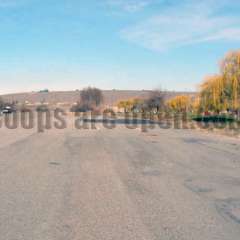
(111, 97)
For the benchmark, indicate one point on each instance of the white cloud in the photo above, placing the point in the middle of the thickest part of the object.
(129, 5)
(187, 23)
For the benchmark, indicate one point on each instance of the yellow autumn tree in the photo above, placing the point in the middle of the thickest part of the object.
(230, 69)
(179, 103)
(222, 92)
(211, 91)
(128, 105)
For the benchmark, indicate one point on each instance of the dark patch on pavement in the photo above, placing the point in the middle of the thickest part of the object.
(151, 172)
(196, 140)
(229, 208)
(54, 163)
(197, 188)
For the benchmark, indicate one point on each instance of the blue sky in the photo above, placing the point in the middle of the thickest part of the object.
(121, 44)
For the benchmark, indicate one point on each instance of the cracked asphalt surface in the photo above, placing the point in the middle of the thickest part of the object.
(118, 184)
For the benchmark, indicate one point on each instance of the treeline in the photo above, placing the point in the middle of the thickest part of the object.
(218, 94)
(221, 92)
(155, 102)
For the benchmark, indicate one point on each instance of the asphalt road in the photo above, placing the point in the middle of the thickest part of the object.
(118, 184)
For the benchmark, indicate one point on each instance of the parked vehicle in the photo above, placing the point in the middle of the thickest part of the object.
(7, 110)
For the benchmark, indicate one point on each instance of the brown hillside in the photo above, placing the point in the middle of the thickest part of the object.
(111, 97)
